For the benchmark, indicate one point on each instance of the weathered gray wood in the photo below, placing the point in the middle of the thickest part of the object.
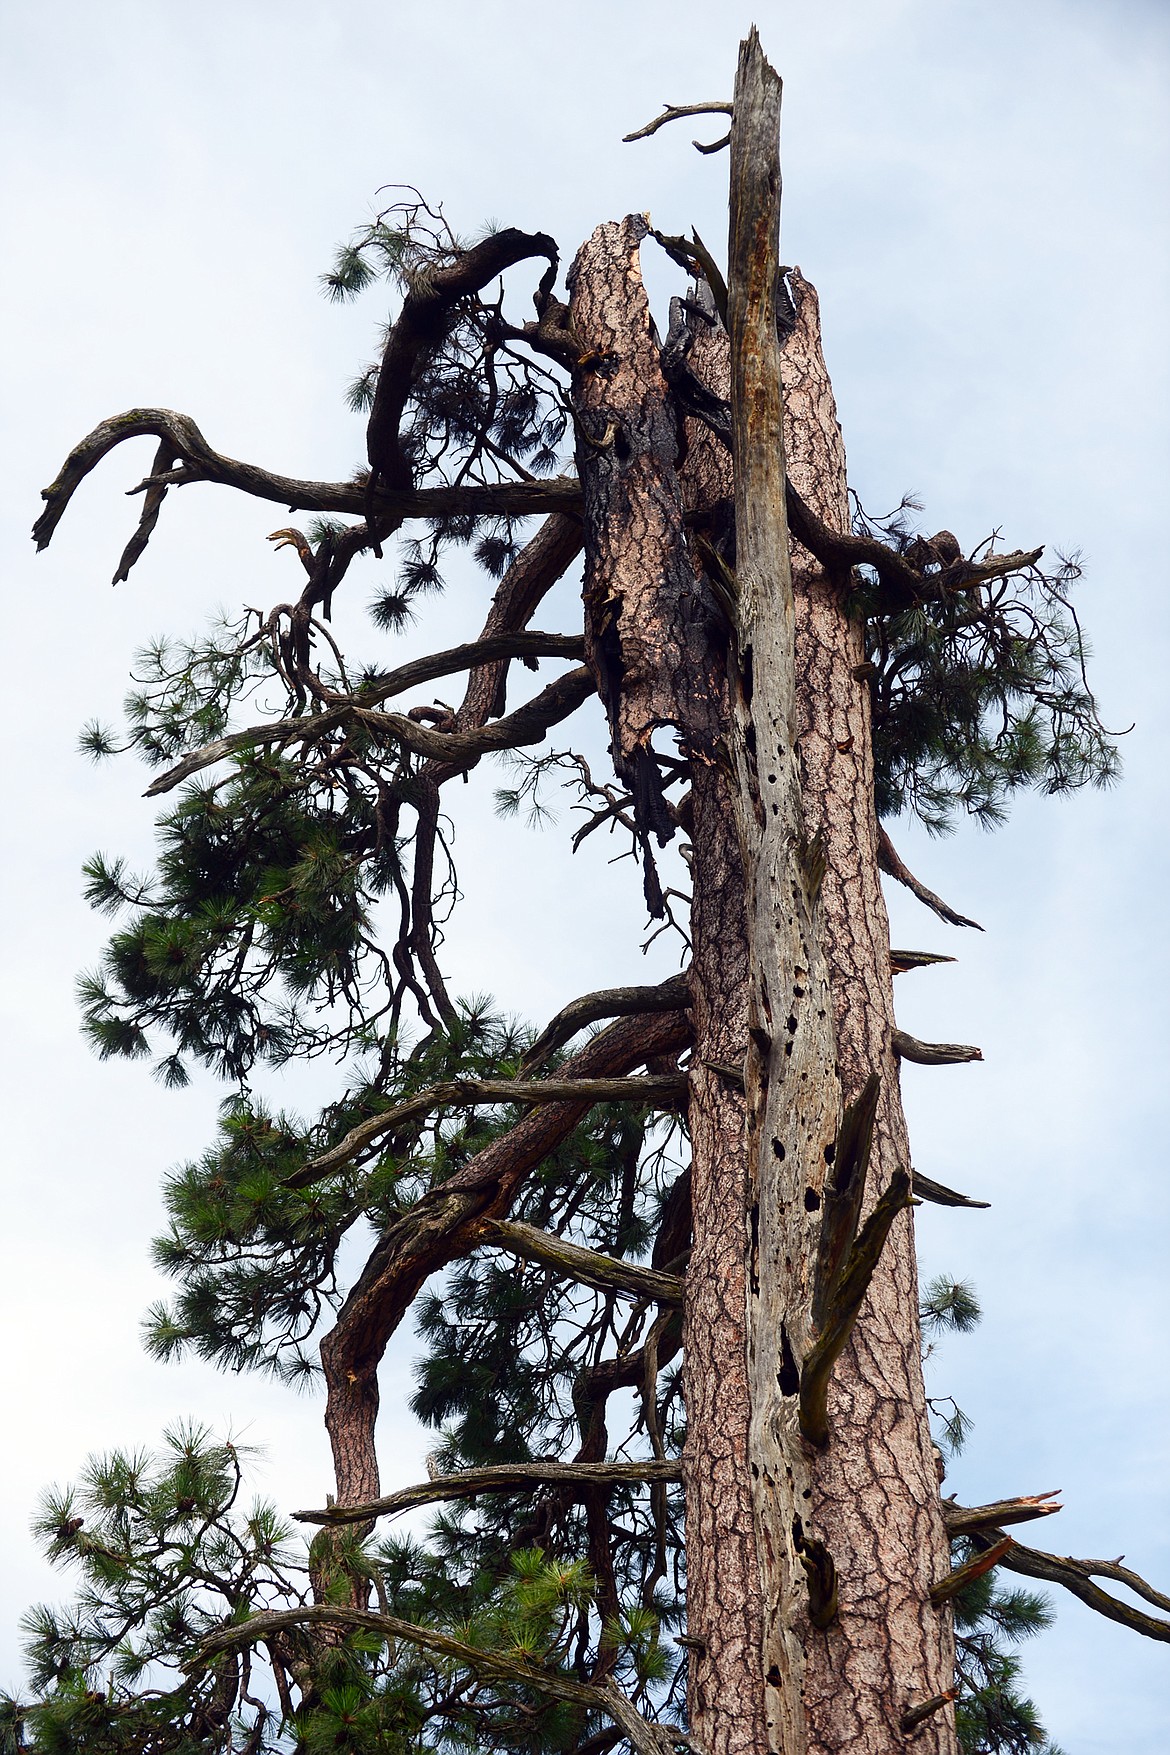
(792, 1091)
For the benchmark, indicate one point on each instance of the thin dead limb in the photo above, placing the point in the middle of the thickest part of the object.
(507, 1478)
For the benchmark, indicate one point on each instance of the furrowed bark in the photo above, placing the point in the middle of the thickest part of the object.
(875, 1492)
(442, 1226)
(792, 1091)
(658, 639)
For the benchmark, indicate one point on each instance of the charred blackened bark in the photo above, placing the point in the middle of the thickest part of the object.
(875, 1486)
(658, 642)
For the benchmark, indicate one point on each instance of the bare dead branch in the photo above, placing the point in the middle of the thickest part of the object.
(933, 1053)
(505, 1478)
(903, 961)
(940, 1194)
(676, 113)
(585, 1265)
(918, 1715)
(963, 1520)
(890, 863)
(1077, 1576)
(198, 462)
(966, 1574)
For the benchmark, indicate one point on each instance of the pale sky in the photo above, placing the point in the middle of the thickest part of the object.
(978, 191)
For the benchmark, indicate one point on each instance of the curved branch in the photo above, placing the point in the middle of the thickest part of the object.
(1077, 1576)
(675, 113)
(421, 325)
(891, 864)
(506, 1478)
(198, 462)
(608, 1002)
(646, 1738)
(458, 749)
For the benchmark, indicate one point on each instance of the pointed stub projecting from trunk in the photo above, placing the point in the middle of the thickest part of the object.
(843, 1304)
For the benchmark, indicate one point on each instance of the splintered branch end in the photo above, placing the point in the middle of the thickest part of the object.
(971, 1570)
(843, 1305)
(918, 1715)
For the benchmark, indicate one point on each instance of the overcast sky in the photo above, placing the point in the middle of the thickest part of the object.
(978, 190)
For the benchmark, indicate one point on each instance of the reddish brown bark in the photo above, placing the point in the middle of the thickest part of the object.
(876, 1493)
(657, 641)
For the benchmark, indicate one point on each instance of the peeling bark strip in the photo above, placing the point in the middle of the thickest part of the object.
(791, 1075)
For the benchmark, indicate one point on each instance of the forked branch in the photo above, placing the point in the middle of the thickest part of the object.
(1077, 1576)
(193, 459)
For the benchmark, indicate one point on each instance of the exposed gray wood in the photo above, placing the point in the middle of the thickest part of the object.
(792, 1091)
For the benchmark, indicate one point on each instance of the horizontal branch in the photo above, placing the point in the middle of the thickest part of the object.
(903, 961)
(933, 1053)
(659, 1093)
(940, 1194)
(608, 1002)
(586, 1265)
(889, 862)
(676, 113)
(1077, 1577)
(458, 749)
(646, 1738)
(505, 1478)
(197, 461)
(963, 1520)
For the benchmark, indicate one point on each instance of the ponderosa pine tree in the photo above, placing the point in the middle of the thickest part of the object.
(660, 1254)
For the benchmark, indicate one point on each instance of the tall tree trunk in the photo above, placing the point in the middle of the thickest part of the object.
(657, 640)
(875, 1488)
